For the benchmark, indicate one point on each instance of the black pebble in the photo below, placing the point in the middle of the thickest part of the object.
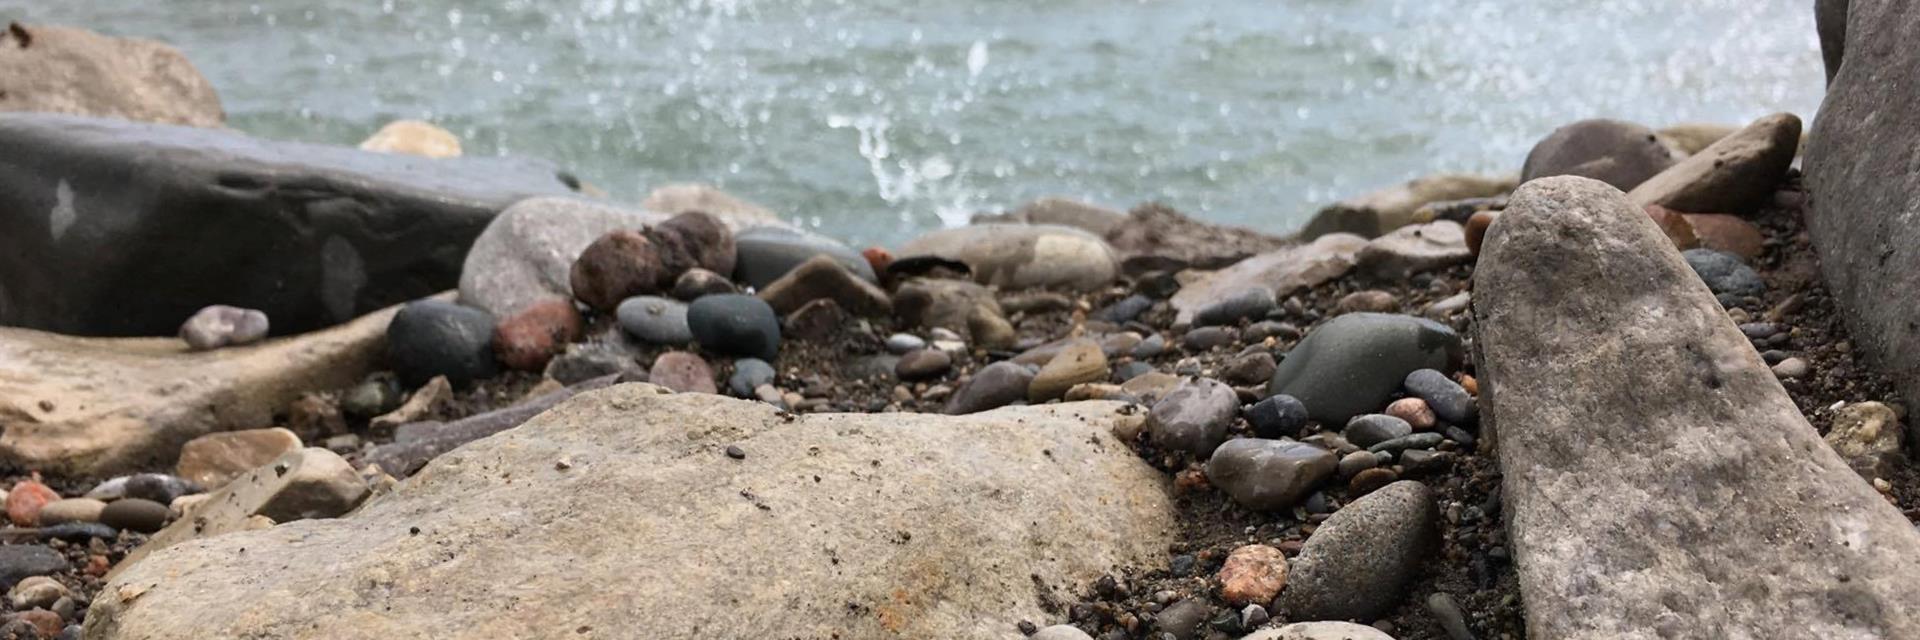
(734, 451)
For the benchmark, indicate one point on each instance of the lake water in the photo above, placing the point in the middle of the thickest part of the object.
(877, 119)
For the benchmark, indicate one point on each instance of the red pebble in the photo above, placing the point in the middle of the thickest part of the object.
(25, 500)
(530, 338)
(878, 258)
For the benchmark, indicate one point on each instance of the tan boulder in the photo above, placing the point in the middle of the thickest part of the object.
(298, 485)
(95, 406)
(413, 137)
(620, 511)
(65, 70)
(1735, 175)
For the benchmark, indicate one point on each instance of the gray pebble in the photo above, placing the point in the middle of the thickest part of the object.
(1375, 428)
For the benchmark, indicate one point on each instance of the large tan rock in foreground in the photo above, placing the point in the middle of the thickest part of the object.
(620, 512)
(93, 406)
(66, 70)
(1659, 482)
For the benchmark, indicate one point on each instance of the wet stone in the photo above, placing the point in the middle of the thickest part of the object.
(1280, 416)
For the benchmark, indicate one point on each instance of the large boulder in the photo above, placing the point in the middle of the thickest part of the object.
(1379, 212)
(1283, 271)
(621, 512)
(1659, 482)
(1859, 167)
(1017, 256)
(1622, 154)
(116, 228)
(1737, 174)
(53, 69)
(94, 406)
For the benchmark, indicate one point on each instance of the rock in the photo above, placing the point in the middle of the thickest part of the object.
(25, 500)
(1727, 234)
(1830, 21)
(655, 320)
(1693, 137)
(697, 282)
(1477, 229)
(1207, 338)
(1283, 271)
(1252, 574)
(1414, 249)
(1676, 225)
(1369, 301)
(1251, 304)
(71, 510)
(429, 397)
(1260, 331)
(158, 487)
(527, 254)
(220, 325)
(824, 277)
(617, 266)
(1448, 400)
(1791, 368)
(1151, 386)
(1412, 411)
(66, 70)
(529, 340)
(1370, 480)
(1065, 212)
(1023, 256)
(134, 514)
(95, 406)
(948, 304)
(37, 592)
(1193, 418)
(431, 337)
(1371, 429)
(1249, 369)
(1868, 435)
(1060, 632)
(1352, 364)
(1735, 175)
(1080, 361)
(1383, 211)
(1449, 306)
(694, 240)
(1359, 563)
(670, 512)
(1278, 416)
(682, 372)
(303, 484)
(21, 561)
(1622, 154)
(588, 360)
(376, 395)
(817, 320)
(1182, 620)
(682, 198)
(313, 224)
(1321, 631)
(403, 458)
(1156, 232)
(1670, 497)
(993, 386)
(1426, 440)
(1125, 310)
(215, 459)
(1724, 273)
(1151, 347)
(1352, 464)
(766, 253)
(735, 324)
(901, 343)
(923, 364)
(749, 374)
(1269, 475)
(415, 138)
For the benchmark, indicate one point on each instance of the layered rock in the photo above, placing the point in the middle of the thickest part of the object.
(1282, 271)
(1735, 175)
(93, 406)
(1859, 163)
(1377, 213)
(51, 69)
(116, 228)
(1658, 481)
(1023, 256)
(624, 503)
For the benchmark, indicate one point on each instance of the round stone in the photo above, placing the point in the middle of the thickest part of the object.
(1448, 400)
(71, 510)
(655, 320)
(993, 386)
(923, 364)
(749, 374)
(1353, 364)
(1269, 475)
(526, 341)
(1280, 416)
(222, 326)
(735, 324)
(135, 514)
(619, 265)
(1414, 411)
(900, 343)
(1375, 428)
(1194, 418)
(699, 283)
(682, 372)
(429, 338)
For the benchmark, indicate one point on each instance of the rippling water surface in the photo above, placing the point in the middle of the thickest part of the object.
(875, 119)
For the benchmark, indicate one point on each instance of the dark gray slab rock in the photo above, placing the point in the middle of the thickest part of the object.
(116, 228)
(1659, 483)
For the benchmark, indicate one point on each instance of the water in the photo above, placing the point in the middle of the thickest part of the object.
(877, 119)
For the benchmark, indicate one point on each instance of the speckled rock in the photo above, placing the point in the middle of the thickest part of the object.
(1359, 563)
(1269, 475)
(683, 372)
(1193, 418)
(1869, 436)
(220, 326)
(1252, 574)
(1080, 361)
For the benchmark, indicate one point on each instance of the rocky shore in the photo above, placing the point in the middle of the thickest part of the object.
(273, 390)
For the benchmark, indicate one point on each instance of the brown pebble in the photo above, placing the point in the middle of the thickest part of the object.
(1413, 410)
(1369, 481)
(135, 514)
(530, 338)
(1477, 229)
(617, 266)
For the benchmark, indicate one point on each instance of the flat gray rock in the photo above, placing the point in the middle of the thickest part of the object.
(1659, 483)
(620, 510)
(110, 227)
